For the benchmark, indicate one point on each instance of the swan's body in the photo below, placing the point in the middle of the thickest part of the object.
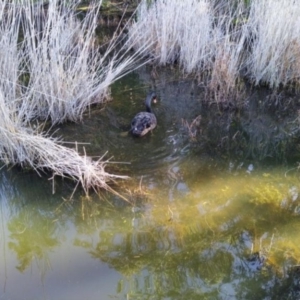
(144, 121)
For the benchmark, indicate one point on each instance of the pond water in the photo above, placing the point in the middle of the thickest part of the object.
(202, 220)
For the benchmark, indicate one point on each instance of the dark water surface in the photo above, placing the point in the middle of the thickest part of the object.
(202, 223)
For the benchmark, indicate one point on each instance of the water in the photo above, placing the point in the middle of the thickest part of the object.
(202, 223)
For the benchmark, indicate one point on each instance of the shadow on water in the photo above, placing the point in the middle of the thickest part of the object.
(206, 219)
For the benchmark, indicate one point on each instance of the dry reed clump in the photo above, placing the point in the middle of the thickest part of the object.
(18, 146)
(275, 56)
(67, 71)
(224, 39)
(169, 26)
(197, 34)
(51, 69)
(225, 68)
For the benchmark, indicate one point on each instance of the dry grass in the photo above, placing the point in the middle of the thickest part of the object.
(224, 39)
(167, 26)
(193, 128)
(198, 34)
(229, 38)
(43, 153)
(67, 71)
(51, 68)
(275, 27)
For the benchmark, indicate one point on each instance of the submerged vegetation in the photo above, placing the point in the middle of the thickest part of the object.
(232, 235)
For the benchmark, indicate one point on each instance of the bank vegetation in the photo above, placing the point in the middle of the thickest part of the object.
(224, 42)
(52, 68)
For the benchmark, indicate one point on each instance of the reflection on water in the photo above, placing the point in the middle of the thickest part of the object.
(198, 226)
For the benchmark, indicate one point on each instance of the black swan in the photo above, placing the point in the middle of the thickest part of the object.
(145, 121)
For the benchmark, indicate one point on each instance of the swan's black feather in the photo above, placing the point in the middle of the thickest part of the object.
(143, 122)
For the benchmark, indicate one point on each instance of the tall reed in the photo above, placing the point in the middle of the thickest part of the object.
(275, 34)
(228, 40)
(51, 68)
(171, 26)
(67, 70)
(195, 33)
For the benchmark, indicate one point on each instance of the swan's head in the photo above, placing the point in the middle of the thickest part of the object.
(152, 97)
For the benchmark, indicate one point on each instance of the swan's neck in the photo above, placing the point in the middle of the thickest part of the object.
(148, 108)
(148, 103)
